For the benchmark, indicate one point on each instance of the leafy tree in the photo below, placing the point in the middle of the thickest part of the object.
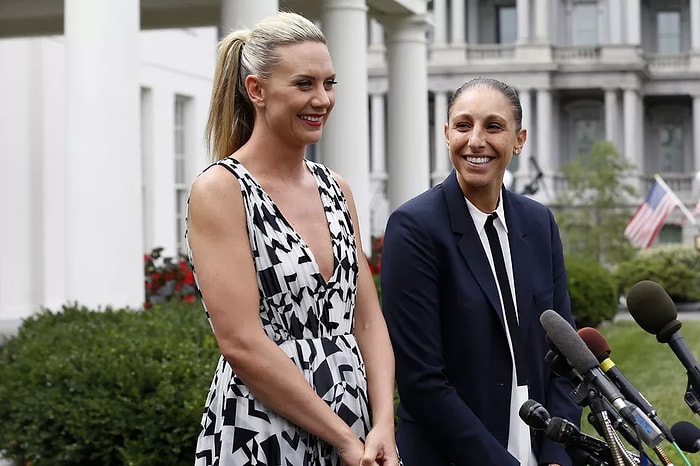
(593, 212)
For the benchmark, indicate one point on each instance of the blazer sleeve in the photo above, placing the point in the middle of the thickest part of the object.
(410, 278)
(558, 402)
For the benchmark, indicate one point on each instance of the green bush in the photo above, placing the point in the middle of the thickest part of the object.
(116, 387)
(592, 291)
(675, 267)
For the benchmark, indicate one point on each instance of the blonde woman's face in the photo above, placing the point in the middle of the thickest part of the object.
(297, 99)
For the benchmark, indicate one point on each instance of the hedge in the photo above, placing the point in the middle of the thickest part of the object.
(115, 387)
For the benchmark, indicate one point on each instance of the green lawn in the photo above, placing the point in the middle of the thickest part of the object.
(654, 369)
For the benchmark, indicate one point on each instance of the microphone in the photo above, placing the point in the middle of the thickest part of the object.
(687, 436)
(588, 449)
(580, 357)
(534, 414)
(601, 350)
(564, 432)
(653, 309)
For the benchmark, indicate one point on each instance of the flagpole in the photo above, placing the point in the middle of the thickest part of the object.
(680, 203)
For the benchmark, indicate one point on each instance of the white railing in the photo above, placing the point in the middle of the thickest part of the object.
(667, 62)
(489, 52)
(576, 55)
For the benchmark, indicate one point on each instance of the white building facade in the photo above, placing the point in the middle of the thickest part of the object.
(104, 105)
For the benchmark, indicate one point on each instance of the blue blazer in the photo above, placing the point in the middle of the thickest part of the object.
(441, 304)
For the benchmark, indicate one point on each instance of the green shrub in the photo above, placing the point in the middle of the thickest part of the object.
(592, 291)
(675, 267)
(117, 387)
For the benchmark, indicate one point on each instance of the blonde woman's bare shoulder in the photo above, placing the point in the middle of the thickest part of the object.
(214, 191)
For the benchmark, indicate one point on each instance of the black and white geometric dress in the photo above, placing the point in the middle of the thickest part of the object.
(312, 322)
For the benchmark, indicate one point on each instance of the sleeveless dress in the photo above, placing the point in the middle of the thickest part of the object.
(312, 322)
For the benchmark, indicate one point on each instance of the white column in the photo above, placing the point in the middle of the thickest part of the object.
(473, 29)
(378, 176)
(439, 22)
(54, 104)
(696, 134)
(376, 34)
(694, 25)
(20, 180)
(408, 164)
(612, 117)
(441, 166)
(633, 13)
(522, 8)
(104, 243)
(344, 23)
(527, 152)
(544, 155)
(236, 14)
(457, 22)
(542, 13)
(631, 130)
(615, 21)
(378, 139)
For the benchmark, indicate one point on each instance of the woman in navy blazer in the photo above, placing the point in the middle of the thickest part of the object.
(440, 297)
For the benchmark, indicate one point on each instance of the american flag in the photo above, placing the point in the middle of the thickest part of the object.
(646, 222)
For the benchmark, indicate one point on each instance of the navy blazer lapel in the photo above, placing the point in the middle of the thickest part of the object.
(521, 257)
(469, 243)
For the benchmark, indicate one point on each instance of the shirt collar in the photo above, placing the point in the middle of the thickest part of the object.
(480, 218)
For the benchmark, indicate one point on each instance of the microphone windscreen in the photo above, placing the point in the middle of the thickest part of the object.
(595, 342)
(534, 414)
(687, 436)
(555, 429)
(568, 342)
(651, 307)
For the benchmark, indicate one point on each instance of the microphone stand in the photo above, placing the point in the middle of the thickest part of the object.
(581, 457)
(692, 395)
(620, 455)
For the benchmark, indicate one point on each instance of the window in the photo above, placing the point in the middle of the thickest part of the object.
(670, 234)
(586, 133)
(585, 24)
(668, 32)
(507, 24)
(181, 149)
(582, 129)
(671, 148)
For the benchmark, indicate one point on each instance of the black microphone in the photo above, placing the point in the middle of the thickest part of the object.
(584, 450)
(534, 414)
(565, 432)
(580, 357)
(687, 436)
(601, 350)
(560, 366)
(653, 309)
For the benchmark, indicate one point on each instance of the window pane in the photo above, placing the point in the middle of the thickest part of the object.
(179, 129)
(671, 148)
(669, 31)
(587, 133)
(670, 234)
(507, 25)
(585, 24)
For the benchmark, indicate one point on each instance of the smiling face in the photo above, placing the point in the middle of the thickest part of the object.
(482, 136)
(297, 98)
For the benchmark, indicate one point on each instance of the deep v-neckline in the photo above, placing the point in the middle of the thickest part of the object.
(304, 245)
